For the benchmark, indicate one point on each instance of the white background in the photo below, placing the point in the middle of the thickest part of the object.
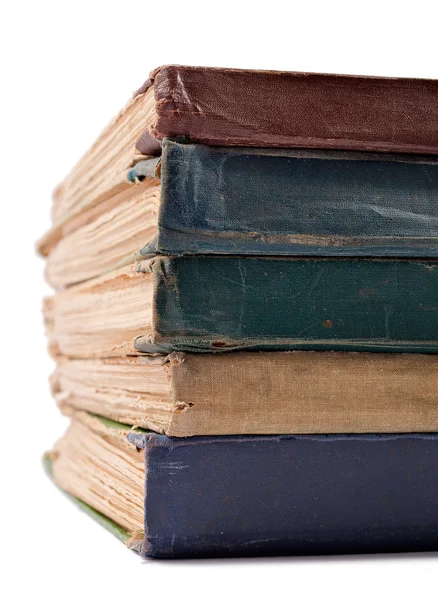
(66, 69)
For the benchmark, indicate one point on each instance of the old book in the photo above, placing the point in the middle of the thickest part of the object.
(230, 107)
(256, 392)
(211, 303)
(217, 200)
(253, 495)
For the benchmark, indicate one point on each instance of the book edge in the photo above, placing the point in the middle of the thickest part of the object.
(104, 521)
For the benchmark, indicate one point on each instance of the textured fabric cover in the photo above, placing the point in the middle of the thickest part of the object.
(303, 392)
(282, 202)
(224, 303)
(243, 495)
(229, 107)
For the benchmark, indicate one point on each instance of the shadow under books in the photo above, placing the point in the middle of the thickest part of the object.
(337, 558)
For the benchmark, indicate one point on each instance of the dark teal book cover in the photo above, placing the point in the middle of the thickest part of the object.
(230, 303)
(217, 200)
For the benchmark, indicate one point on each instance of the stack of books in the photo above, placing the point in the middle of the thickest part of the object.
(245, 322)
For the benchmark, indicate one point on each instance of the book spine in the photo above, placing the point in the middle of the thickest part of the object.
(221, 496)
(225, 303)
(263, 202)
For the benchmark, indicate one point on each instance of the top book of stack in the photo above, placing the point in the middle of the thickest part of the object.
(230, 107)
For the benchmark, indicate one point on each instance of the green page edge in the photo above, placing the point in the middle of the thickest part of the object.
(110, 525)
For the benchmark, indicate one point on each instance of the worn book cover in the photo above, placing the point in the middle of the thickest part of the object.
(215, 200)
(275, 108)
(271, 202)
(213, 303)
(221, 496)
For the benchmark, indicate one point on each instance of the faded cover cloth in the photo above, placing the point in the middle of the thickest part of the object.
(286, 202)
(303, 392)
(244, 495)
(227, 303)
(230, 107)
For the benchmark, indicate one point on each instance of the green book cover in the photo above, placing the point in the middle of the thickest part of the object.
(220, 303)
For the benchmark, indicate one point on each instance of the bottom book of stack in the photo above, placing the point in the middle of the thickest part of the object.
(248, 495)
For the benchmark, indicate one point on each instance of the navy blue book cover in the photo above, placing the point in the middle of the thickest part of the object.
(315, 494)
(294, 202)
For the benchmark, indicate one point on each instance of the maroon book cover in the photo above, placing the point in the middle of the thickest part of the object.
(231, 107)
